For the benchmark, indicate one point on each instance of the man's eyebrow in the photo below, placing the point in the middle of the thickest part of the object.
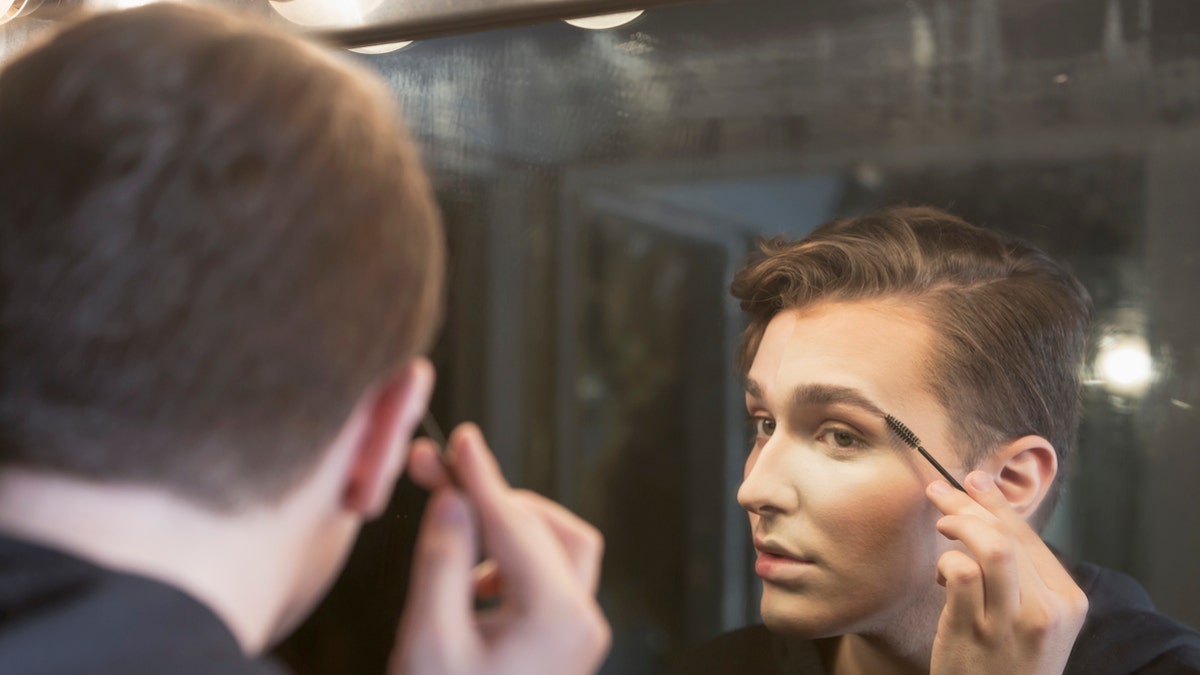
(831, 394)
(752, 388)
(823, 394)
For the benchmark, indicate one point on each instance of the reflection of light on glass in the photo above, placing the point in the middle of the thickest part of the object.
(605, 21)
(383, 48)
(325, 13)
(868, 175)
(1124, 365)
(924, 51)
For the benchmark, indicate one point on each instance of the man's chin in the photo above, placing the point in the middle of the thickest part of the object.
(800, 620)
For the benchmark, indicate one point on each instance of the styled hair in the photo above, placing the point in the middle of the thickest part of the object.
(1010, 323)
(214, 238)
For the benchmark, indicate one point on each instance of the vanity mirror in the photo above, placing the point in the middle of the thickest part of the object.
(600, 185)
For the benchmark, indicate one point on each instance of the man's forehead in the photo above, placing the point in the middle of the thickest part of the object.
(868, 346)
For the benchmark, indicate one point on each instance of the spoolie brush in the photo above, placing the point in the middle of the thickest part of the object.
(911, 439)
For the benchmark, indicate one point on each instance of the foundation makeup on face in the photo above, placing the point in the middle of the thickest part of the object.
(912, 441)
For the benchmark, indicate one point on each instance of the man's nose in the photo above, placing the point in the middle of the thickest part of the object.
(768, 487)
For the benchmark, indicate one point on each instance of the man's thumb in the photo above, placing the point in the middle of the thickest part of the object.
(438, 615)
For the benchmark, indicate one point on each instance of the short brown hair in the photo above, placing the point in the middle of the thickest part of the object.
(1010, 323)
(213, 239)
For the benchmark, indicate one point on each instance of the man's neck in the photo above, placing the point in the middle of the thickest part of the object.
(236, 564)
(869, 655)
(902, 645)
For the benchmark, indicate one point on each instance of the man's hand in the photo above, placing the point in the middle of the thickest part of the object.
(544, 561)
(1011, 607)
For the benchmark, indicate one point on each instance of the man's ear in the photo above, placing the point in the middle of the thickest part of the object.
(390, 412)
(1024, 470)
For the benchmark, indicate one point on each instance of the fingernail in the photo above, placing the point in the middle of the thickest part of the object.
(450, 509)
(981, 481)
(939, 487)
(457, 445)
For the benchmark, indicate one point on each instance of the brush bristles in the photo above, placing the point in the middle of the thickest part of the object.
(903, 432)
(909, 437)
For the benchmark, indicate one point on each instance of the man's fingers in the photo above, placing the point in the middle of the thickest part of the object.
(1050, 571)
(475, 466)
(440, 590)
(995, 557)
(983, 490)
(1017, 568)
(532, 562)
(1003, 570)
(963, 580)
(425, 467)
(583, 544)
(953, 502)
(541, 565)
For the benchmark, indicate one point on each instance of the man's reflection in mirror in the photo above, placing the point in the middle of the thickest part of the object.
(870, 560)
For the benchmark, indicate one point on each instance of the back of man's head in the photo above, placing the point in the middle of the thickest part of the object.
(213, 239)
(1010, 323)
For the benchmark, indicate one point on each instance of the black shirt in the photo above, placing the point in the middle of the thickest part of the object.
(1122, 634)
(60, 614)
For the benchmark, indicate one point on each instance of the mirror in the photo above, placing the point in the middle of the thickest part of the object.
(600, 187)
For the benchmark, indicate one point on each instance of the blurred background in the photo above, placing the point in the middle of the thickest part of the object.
(601, 183)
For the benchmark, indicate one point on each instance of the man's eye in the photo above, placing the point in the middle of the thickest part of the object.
(762, 426)
(840, 438)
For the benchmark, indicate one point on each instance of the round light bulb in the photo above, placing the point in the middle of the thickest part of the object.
(325, 13)
(1125, 365)
(605, 21)
(382, 48)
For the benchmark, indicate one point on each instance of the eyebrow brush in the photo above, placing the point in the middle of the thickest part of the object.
(911, 440)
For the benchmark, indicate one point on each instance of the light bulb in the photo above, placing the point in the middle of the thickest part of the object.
(605, 21)
(325, 13)
(1124, 365)
(382, 48)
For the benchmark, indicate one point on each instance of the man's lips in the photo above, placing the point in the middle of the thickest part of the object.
(776, 564)
(775, 550)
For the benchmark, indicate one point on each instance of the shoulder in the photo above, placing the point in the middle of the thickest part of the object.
(753, 649)
(62, 614)
(1124, 633)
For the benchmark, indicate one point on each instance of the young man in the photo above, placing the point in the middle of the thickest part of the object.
(221, 264)
(870, 561)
